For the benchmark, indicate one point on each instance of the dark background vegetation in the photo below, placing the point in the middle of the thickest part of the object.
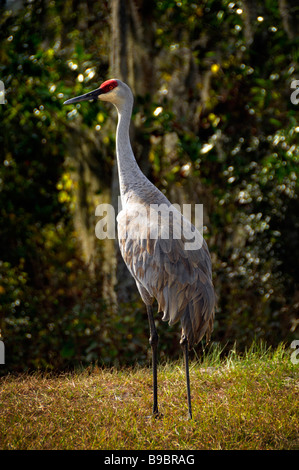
(213, 123)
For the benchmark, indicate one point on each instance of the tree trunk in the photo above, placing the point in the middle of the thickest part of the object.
(289, 14)
(131, 60)
(84, 157)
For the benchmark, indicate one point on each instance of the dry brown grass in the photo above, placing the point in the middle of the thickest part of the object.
(241, 403)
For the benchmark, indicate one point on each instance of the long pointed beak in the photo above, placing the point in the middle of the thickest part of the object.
(92, 95)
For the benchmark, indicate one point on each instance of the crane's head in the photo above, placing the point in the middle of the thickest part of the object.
(113, 90)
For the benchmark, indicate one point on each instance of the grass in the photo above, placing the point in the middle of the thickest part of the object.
(240, 402)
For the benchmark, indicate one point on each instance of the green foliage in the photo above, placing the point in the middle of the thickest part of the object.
(49, 307)
(243, 148)
(238, 142)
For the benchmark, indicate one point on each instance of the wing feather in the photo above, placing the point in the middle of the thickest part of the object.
(179, 279)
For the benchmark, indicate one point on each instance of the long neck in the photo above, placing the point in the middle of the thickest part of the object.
(128, 169)
(134, 185)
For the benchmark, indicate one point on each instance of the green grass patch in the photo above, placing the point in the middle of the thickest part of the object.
(247, 401)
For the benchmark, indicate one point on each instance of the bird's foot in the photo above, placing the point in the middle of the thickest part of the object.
(155, 415)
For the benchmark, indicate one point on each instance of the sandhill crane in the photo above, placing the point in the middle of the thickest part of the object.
(154, 248)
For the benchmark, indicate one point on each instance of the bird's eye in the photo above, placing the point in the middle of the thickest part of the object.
(111, 87)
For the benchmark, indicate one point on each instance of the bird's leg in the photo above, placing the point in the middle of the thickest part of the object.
(153, 340)
(184, 344)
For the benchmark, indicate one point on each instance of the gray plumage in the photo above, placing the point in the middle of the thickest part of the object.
(179, 279)
(152, 240)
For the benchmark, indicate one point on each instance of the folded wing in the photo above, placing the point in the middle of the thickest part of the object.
(170, 262)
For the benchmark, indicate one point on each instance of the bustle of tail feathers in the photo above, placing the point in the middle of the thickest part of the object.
(196, 325)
